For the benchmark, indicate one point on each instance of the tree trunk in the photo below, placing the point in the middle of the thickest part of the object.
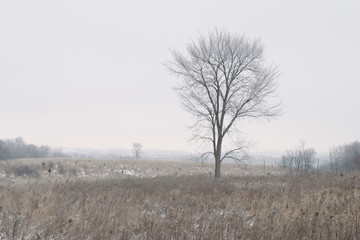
(217, 166)
(217, 155)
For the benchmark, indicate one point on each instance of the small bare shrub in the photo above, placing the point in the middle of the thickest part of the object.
(23, 170)
(61, 168)
(73, 171)
(51, 164)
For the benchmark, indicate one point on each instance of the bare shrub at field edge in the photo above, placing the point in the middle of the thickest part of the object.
(24, 170)
(60, 168)
(192, 207)
(51, 164)
(73, 171)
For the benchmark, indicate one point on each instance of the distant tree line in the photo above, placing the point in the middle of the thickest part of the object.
(299, 160)
(17, 148)
(345, 158)
(342, 159)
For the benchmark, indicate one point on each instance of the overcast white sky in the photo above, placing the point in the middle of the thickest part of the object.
(89, 73)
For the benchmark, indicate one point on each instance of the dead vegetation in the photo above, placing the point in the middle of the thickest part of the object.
(179, 206)
(95, 168)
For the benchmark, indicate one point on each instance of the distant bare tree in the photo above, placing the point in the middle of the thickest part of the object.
(137, 149)
(335, 158)
(308, 157)
(224, 79)
(264, 161)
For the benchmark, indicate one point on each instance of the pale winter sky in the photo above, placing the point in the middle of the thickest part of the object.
(89, 73)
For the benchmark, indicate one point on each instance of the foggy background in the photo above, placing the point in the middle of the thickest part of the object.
(90, 74)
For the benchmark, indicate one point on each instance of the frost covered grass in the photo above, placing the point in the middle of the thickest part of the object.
(179, 206)
(68, 167)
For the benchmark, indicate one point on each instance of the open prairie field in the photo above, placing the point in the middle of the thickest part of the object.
(100, 168)
(132, 199)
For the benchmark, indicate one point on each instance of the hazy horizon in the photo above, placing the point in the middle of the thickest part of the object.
(87, 74)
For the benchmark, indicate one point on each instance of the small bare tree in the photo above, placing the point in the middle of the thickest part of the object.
(224, 79)
(335, 157)
(137, 149)
(264, 161)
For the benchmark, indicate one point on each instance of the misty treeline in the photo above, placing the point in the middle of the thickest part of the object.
(299, 160)
(17, 148)
(343, 158)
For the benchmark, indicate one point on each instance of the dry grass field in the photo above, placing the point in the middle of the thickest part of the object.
(118, 199)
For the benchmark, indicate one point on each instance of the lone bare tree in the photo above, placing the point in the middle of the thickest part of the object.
(224, 79)
(137, 147)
